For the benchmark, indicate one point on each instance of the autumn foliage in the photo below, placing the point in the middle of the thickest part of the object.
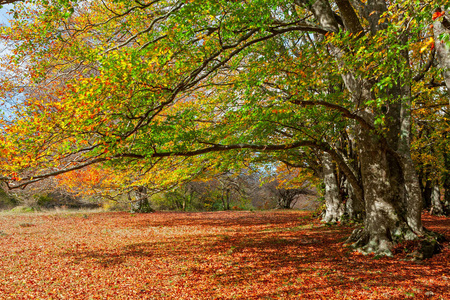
(221, 255)
(144, 96)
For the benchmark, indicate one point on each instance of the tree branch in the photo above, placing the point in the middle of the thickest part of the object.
(350, 17)
(215, 148)
(148, 29)
(421, 75)
(345, 112)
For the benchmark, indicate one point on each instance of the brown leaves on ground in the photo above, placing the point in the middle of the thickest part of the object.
(216, 255)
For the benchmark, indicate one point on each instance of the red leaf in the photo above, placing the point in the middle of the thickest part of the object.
(438, 14)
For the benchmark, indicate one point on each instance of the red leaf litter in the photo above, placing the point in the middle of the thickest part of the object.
(207, 255)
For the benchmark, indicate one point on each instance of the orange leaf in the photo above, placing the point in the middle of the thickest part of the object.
(438, 14)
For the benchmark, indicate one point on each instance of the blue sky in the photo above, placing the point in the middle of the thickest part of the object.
(4, 17)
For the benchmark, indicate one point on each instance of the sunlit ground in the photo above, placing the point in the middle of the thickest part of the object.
(210, 255)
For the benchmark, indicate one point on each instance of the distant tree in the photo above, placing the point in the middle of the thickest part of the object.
(141, 204)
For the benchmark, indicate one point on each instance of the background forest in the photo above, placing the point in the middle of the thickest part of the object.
(226, 191)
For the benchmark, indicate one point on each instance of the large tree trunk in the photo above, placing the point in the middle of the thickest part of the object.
(413, 196)
(224, 205)
(427, 190)
(442, 26)
(142, 204)
(391, 187)
(353, 207)
(390, 215)
(381, 212)
(446, 180)
(436, 205)
(411, 178)
(334, 207)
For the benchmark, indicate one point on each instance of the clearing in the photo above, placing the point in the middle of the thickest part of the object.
(207, 255)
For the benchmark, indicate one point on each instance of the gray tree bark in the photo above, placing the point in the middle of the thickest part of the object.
(334, 207)
(142, 204)
(353, 207)
(390, 183)
(441, 26)
(414, 202)
(446, 179)
(436, 204)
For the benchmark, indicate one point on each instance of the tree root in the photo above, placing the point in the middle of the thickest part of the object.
(425, 246)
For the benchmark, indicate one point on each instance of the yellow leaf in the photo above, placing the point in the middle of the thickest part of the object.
(427, 44)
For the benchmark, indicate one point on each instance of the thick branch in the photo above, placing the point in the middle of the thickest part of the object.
(219, 148)
(323, 13)
(349, 16)
(215, 148)
(31, 179)
(4, 2)
(345, 112)
(302, 27)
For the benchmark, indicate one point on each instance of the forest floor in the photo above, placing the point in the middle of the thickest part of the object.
(208, 255)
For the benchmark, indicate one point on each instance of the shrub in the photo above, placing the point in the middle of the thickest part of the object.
(6, 201)
(23, 209)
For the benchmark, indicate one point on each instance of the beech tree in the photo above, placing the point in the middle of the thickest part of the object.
(167, 88)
